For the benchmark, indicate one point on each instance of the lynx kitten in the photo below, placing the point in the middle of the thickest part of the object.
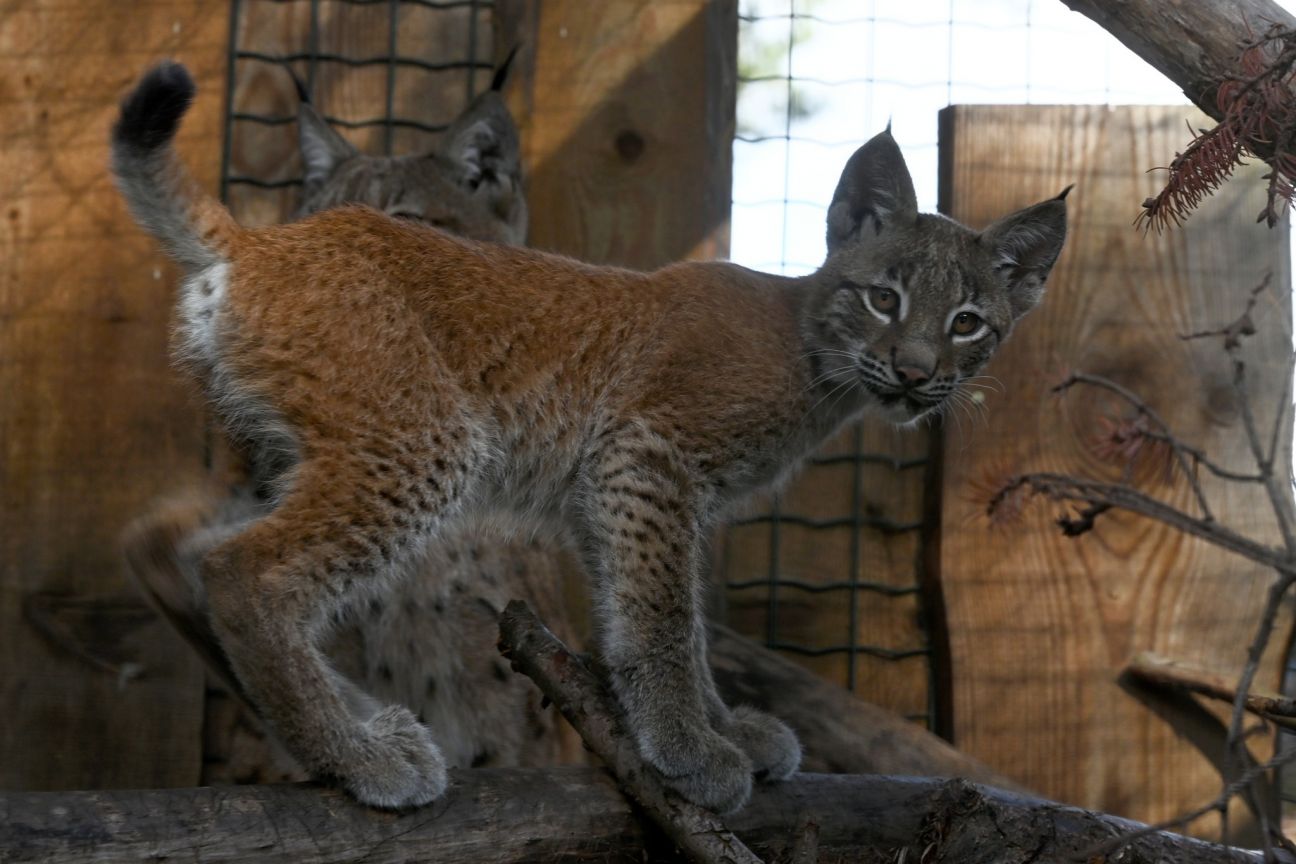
(401, 380)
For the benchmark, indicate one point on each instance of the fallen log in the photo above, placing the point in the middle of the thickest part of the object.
(840, 733)
(574, 813)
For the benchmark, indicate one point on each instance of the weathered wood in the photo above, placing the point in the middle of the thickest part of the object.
(591, 709)
(840, 732)
(93, 424)
(1041, 624)
(1194, 43)
(569, 814)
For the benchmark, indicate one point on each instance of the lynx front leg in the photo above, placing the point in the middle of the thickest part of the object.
(773, 748)
(272, 589)
(642, 538)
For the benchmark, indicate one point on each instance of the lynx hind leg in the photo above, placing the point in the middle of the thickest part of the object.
(643, 540)
(273, 588)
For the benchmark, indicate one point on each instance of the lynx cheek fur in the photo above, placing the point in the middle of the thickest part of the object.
(413, 379)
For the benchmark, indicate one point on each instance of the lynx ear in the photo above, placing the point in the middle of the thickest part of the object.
(322, 148)
(875, 188)
(483, 145)
(1024, 246)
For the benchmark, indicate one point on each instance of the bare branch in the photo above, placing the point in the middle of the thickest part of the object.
(565, 679)
(1164, 672)
(1065, 488)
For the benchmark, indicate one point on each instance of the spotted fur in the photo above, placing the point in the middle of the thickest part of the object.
(428, 379)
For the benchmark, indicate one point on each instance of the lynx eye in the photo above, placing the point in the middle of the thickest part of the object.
(884, 300)
(965, 324)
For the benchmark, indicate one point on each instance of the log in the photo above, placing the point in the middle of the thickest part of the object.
(1194, 43)
(575, 813)
(840, 733)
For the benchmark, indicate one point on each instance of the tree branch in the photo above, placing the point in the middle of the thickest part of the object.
(581, 697)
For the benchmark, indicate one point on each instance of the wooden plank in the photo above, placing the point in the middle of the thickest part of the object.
(94, 423)
(1040, 625)
(627, 124)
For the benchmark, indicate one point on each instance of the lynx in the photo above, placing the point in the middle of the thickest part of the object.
(449, 674)
(402, 381)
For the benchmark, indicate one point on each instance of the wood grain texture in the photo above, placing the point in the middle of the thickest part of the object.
(627, 125)
(93, 423)
(1040, 625)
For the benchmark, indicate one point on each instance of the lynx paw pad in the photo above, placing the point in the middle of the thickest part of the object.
(399, 765)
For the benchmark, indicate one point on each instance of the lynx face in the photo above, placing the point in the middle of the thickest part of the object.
(914, 304)
(471, 185)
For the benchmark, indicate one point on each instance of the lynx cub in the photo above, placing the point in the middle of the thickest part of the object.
(406, 380)
(448, 673)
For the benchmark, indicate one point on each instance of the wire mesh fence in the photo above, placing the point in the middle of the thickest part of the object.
(390, 75)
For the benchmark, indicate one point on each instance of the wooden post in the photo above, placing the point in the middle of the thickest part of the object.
(627, 117)
(1041, 624)
(93, 424)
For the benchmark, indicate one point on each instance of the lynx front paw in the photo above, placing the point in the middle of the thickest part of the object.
(773, 748)
(399, 765)
(712, 773)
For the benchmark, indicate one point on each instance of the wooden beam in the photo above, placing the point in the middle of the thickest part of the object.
(1040, 624)
(627, 125)
(93, 424)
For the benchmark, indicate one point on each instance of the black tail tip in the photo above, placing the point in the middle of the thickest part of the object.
(151, 113)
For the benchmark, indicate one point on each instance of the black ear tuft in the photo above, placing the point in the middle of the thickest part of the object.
(874, 187)
(1062, 195)
(151, 113)
(501, 74)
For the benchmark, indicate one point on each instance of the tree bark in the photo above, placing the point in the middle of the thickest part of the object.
(1194, 43)
(525, 815)
(840, 733)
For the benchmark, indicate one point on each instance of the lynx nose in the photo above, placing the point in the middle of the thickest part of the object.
(911, 376)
